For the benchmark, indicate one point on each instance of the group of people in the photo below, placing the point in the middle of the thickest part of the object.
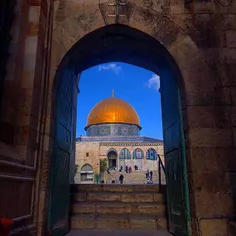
(127, 169)
(149, 175)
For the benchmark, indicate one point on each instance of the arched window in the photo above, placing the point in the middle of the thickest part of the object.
(125, 154)
(86, 173)
(111, 150)
(138, 154)
(112, 158)
(87, 167)
(151, 154)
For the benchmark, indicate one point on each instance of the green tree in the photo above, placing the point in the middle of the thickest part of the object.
(103, 165)
(103, 168)
(97, 178)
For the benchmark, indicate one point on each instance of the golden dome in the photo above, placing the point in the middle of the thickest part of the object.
(112, 110)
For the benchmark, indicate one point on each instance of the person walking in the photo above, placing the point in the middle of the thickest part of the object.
(121, 179)
(147, 174)
(151, 173)
(130, 169)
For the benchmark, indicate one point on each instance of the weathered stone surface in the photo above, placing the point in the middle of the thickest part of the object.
(144, 188)
(214, 204)
(89, 187)
(222, 117)
(219, 160)
(159, 210)
(114, 208)
(103, 197)
(232, 228)
(233, 95)
(209, 183)
(200, 99)
(154, 24)
(200, 116)
(234, 136)
(162, 223)
(83, 208)
(141, 197)
(224, 74)
(206, 137)
(208, 38)
(117, 188)
(112, 223)
(231, 38)
(159, 198)
(222, 96)
(232, 111)
(213, 227)
(81, 197)
(82, 222)
(142, 223)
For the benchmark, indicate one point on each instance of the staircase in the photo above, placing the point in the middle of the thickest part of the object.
(135, 177)
(118, 207)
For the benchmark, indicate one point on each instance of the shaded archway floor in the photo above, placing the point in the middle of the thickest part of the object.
(97, 232)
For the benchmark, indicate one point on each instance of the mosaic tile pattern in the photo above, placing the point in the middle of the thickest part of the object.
(113, 130)
(116, 139)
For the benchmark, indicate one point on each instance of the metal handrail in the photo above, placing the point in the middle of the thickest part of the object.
(160, 164)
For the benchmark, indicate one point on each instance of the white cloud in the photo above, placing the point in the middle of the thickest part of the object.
(154, 82)
(112, 67)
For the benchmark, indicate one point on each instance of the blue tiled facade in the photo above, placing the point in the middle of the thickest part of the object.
(118, 139)
(113, 130)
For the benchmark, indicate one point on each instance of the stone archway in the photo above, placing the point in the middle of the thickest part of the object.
(112, 159)
(86, 174)
(183, 53)
(138, 156)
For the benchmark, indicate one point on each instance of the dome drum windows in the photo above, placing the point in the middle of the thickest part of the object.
(113, 130)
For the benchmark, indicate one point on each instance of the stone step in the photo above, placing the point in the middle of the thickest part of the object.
(117, 232)
(87, 221)
(119, 208)
(75, 188)
(118, 197)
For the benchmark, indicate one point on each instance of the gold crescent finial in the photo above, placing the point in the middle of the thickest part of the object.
(112, 94)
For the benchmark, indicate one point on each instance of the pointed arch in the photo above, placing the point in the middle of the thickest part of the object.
(151, 154)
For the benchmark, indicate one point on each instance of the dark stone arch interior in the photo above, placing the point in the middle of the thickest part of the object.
(119, 43)
(112, 153)
(112, 159)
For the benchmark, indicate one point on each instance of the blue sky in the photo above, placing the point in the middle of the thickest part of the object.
(135, 85)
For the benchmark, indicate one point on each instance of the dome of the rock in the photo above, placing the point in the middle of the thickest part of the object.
(112, 111)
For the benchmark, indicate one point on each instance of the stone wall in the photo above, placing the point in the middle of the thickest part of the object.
(19, 117)
(92, 148)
